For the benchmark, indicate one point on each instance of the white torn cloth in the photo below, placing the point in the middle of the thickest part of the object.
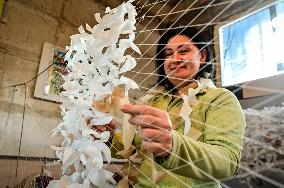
(188, 95)
(96, 61)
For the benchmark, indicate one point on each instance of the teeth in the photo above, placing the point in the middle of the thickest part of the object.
(173, 68)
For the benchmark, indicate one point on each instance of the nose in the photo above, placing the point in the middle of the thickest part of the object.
(176, 57)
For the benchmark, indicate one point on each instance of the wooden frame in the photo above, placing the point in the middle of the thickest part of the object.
(48, 84)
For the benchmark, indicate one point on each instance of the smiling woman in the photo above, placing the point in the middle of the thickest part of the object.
(182, 60)
(193, 129)
(192, 52)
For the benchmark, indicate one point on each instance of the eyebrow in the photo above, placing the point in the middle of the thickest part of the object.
(180, 46)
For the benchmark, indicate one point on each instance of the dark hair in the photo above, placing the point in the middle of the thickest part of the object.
(201, 44)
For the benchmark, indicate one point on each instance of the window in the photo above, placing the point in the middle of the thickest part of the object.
(252, 44)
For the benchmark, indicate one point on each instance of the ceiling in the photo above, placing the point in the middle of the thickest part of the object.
(182, 12)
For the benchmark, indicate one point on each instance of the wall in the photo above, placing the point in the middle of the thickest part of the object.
(1, 6)
(30, 23)
(263, 101)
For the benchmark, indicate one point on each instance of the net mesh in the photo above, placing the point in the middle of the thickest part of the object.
(154, 18)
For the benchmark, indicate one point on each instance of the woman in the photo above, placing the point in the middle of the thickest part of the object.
(210, 150)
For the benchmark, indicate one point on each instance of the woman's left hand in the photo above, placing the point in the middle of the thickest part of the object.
(156, 128)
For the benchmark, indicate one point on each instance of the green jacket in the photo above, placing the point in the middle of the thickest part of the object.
(218, 121)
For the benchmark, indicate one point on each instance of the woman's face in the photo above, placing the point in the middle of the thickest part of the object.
(182, 60)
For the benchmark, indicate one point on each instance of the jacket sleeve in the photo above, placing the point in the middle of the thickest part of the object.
(116, 144)
(218, 156)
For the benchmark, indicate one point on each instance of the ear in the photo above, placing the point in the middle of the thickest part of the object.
(203, 56)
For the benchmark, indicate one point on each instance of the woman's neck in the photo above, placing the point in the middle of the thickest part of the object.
(184, 88)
